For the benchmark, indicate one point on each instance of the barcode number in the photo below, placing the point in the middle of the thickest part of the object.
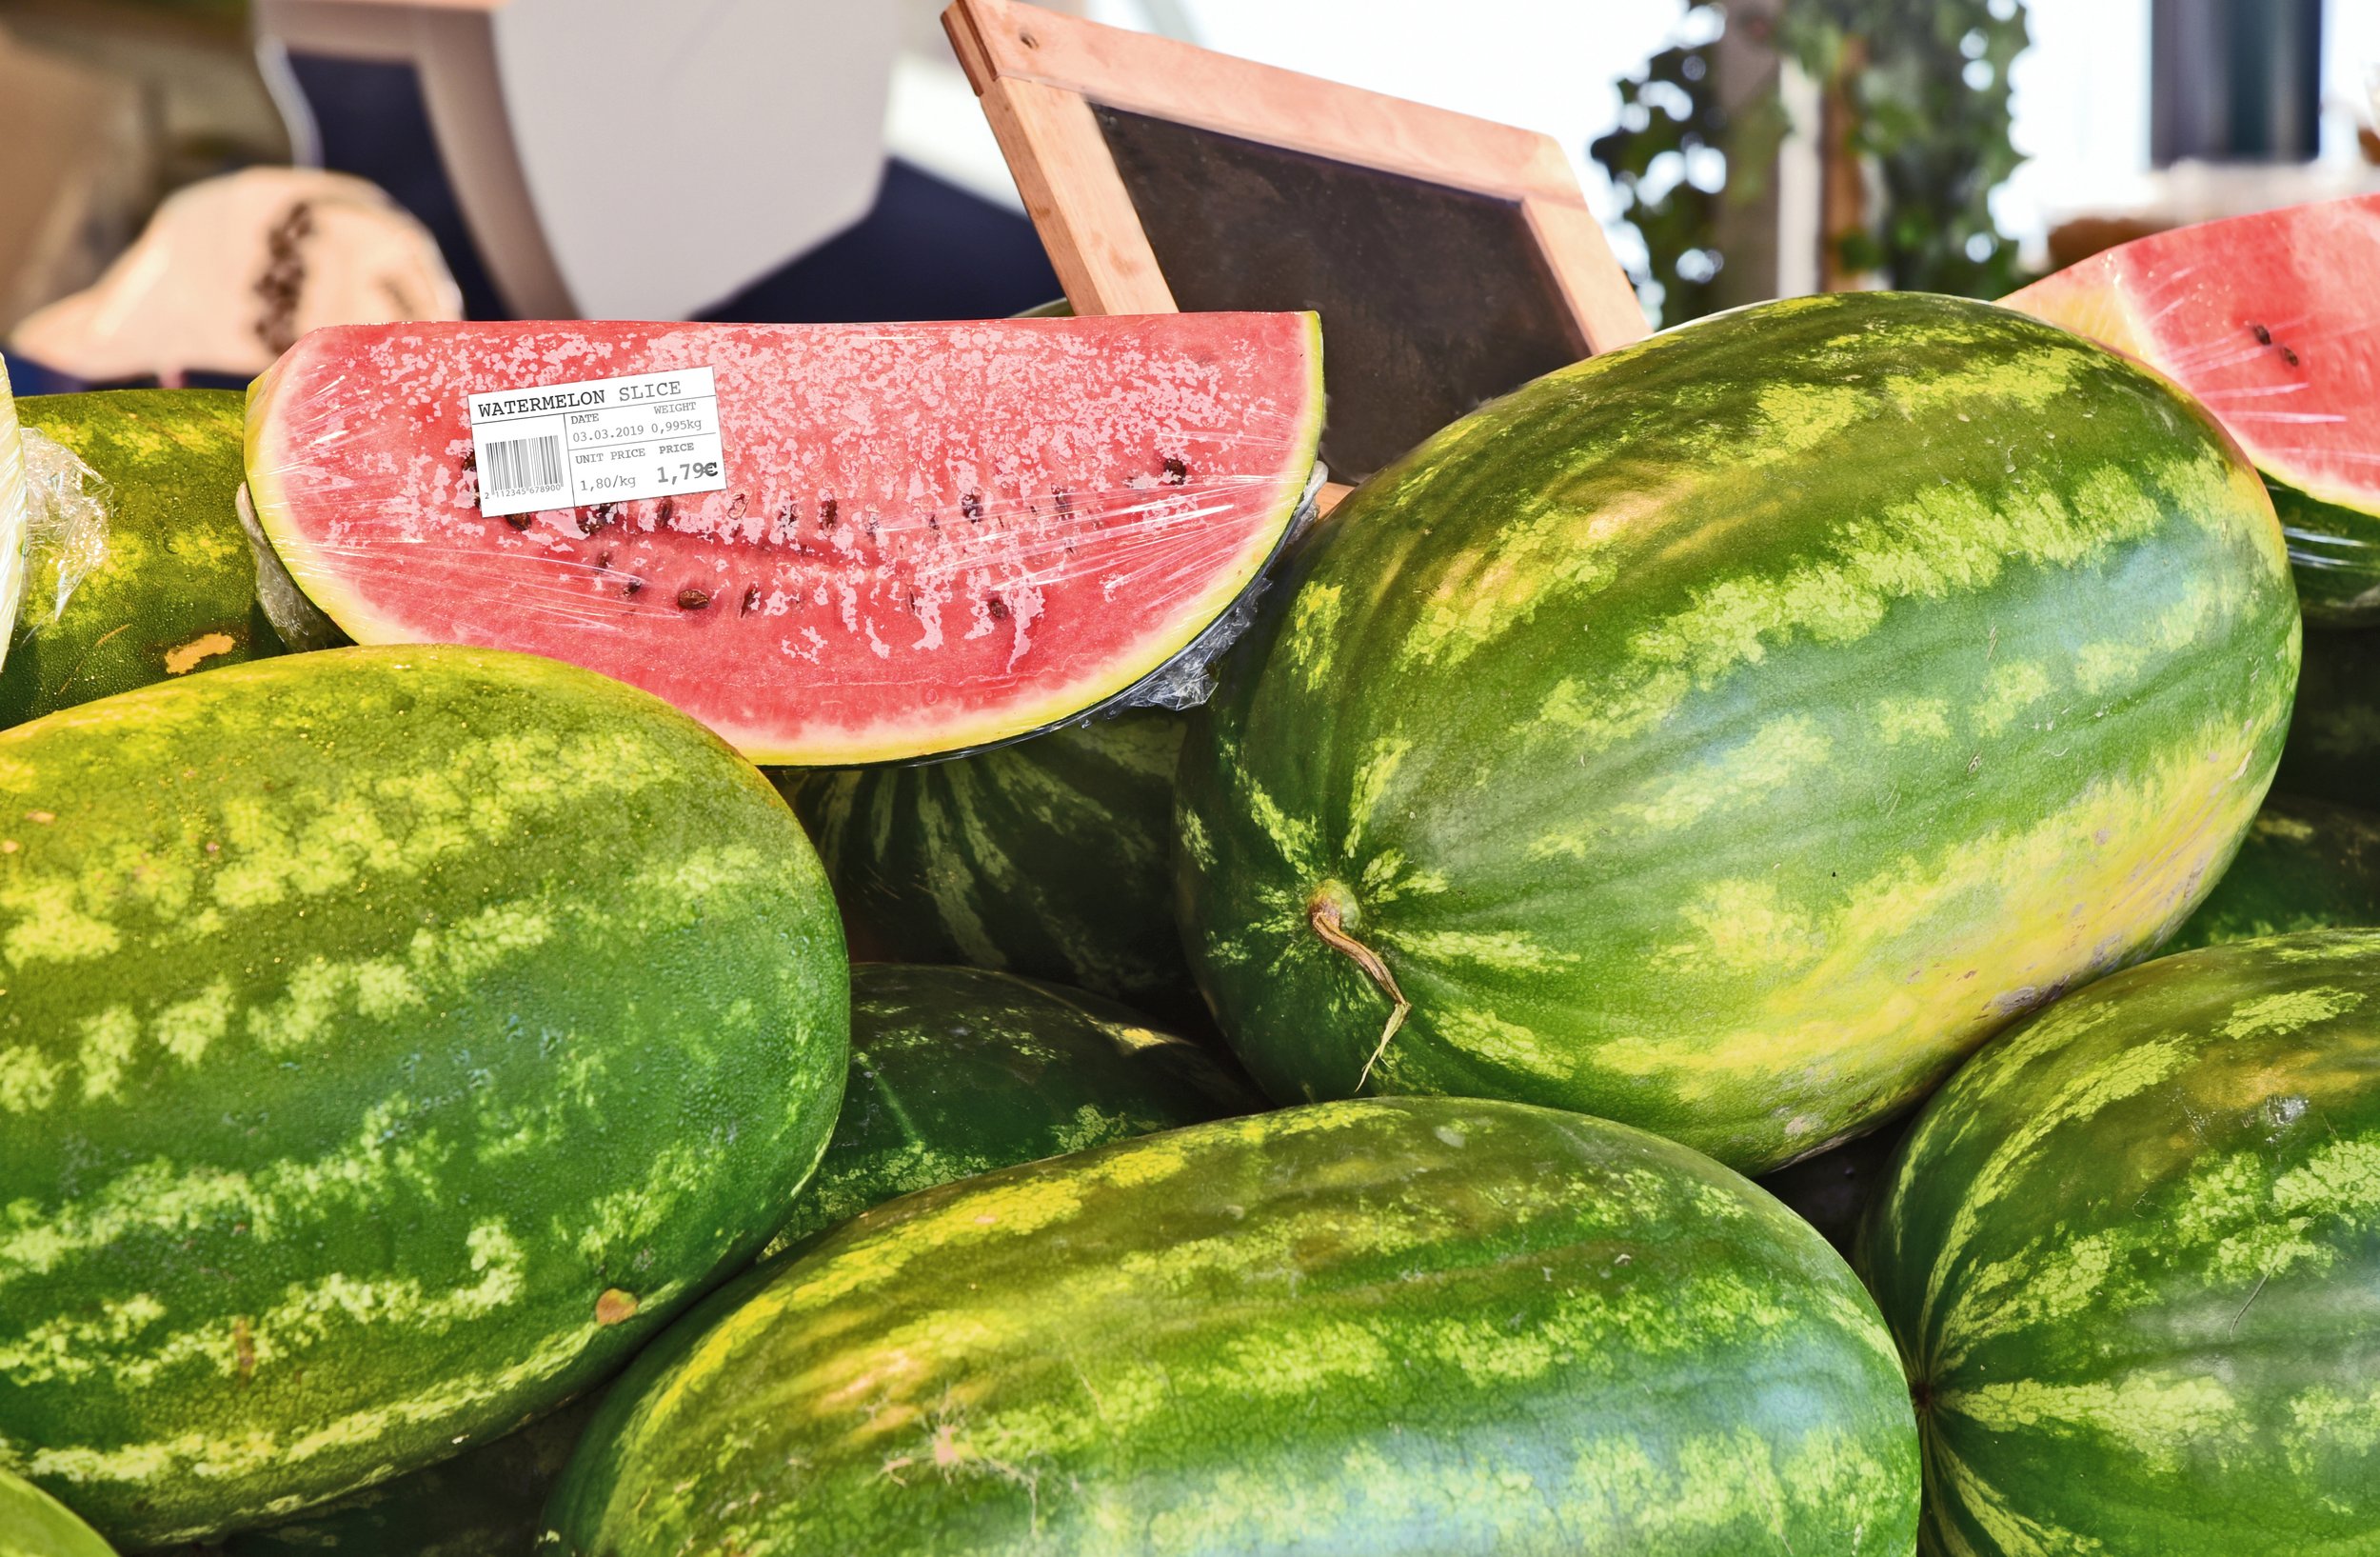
(525, 464)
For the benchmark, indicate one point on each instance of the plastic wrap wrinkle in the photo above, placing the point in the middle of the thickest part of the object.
(67, 513)
(938, 504)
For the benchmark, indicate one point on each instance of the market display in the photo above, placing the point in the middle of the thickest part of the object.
(1340, 1327)
(454, 1104)
(2173, 1348)
(1053, 858)
(1727, 734)
(396, 1038)
(893, 541)
(166, 585)
(2267, 320)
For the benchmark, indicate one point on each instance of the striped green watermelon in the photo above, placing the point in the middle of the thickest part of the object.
(1726, 734)
(2333, 750)
(176, 591)
(2305, 865)
(2273, 320)
(1414, 1325)
(485, 1502)
(2132, 1254)
(392, 1039)
(956, 1071)
(33, 1524)
(1052, 858)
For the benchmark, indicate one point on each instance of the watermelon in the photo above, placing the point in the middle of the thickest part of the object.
(2273, 322)
(2132, 1254)
(1725, 734)
(956, 1071)
(1052, 858)
(2334, 750)
(931, 538)
(344, 1119)
(1384, 1326)
(33, 1524)
(14, 510)
(175, 590)
(2305, 865)
(485, 1502)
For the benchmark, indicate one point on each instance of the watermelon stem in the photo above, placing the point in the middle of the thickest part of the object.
(1326, 913)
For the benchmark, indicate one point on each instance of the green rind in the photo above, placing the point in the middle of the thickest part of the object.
(33, 1524)
(485, 1502)
(176, 590)
(1728, 733)
(369, 1016)
(2336, 552)
(2132, 1257)
(956, 1071)
(2305, 865)
(2333, 750)
(1385, 1326)
(1052, 858)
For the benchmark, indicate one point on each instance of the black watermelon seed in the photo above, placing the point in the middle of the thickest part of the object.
(2264, 336)
(591, 520)
(751, 599)
(669, 507)
(826, 510)
(1176, 471)
(997, 607)
(520, 521)
(631, 588)
(2289, 357)
(691, 599)
(971, 504)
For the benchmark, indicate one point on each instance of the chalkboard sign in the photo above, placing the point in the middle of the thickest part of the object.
(1452, 259)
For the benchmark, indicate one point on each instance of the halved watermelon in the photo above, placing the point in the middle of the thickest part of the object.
(2273, 321)
(931, 538)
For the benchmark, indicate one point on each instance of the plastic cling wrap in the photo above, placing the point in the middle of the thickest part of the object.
(834, 544)
(66, 526)
(12, 512)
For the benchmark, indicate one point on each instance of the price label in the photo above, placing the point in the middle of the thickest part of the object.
(603, 440)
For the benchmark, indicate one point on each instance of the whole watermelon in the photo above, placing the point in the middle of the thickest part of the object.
(956, 1071)
(33, 1524)
(1052, 858)
(1726, 734)
(2132, 1254)
(392, 1039)
(175, 590)
(2305, 865)
(2333, 750)
(1415, 1325)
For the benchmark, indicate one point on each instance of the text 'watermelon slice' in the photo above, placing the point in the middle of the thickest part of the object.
(2273, 321)
(932, 536)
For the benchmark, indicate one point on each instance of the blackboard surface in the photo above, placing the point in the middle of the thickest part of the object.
(1433, 299)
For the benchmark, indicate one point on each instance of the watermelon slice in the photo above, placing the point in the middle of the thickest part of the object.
(2273, 321)
(925, 538)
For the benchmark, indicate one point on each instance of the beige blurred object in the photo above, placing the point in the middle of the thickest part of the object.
(75, 173)
(232, 270)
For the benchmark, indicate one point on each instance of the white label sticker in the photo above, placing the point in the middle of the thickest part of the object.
(605, 440)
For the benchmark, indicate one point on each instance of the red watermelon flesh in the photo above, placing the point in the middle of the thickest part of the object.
(932, 537)
(2273, 322)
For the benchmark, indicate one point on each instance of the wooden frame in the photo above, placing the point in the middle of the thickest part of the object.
(1038, 72)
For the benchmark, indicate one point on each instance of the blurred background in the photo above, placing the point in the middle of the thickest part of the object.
(825, 159)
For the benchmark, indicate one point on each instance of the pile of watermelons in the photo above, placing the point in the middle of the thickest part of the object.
(441, 1112)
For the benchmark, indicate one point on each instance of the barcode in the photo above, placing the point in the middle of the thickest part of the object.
(525, 464)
